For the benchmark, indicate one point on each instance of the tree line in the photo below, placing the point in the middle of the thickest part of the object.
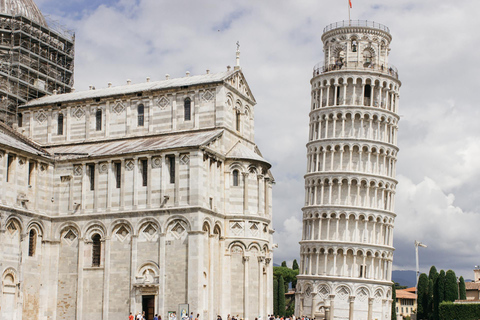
(436, 288)
(282, 278)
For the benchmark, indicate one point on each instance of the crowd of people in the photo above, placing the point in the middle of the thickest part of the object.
(141, 316)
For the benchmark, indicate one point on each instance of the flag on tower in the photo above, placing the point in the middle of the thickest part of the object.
(350, 2)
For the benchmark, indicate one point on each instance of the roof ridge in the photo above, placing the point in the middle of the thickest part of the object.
(8, 130)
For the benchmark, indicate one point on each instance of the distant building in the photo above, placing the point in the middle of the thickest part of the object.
(406, 302)
(129, 198)
(35, 59)
(473, 288)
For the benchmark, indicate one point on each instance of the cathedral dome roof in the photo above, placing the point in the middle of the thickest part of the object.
(26, 8)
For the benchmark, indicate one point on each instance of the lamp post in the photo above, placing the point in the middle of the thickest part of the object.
(417, 244)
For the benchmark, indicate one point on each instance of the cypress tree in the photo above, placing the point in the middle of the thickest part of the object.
(441, 287)
(284, 264)
(433, 274)
(281, 297)
(275, 296)
(438, 293)
(422, 300)
(394, 302)
(430, 300)
(295, 265)
(451, 288)
(462, 289)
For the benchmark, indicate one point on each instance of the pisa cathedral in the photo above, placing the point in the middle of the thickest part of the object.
(130, 198)
(347, 239)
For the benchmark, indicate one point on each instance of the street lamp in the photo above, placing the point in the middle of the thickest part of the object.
(417, 244)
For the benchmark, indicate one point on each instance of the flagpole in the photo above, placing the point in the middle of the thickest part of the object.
(349, 20)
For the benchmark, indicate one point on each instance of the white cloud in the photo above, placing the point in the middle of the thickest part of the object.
(435, 46)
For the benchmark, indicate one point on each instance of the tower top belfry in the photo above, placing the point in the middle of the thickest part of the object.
(346, 251)
(356, 45)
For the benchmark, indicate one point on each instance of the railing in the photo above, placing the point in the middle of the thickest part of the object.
(356, 23)
(386, 69)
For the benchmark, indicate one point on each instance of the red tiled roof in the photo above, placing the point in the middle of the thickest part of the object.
(404, 294)
(472, 285)
(412, 290)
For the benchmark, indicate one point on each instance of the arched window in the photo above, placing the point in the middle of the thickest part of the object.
(236, 181)
(20, 120)
(96, 250)
(237, 121)
(32, 242)
(60, 124)
(187, 109)
(367, 58)
(354, 45)
(141, 115)
(98, 120)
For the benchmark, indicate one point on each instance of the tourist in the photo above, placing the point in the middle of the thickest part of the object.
(130, 317)
(229, 317)
(155, 317)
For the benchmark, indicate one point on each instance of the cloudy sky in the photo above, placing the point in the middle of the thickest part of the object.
(436, 45)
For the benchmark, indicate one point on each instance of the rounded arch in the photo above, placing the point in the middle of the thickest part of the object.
(16, 220)
(65, 227)
(117, 223)
(148, 273)
(255, 245)
(94, 227)
(37, 225)
(170, 222)
(142, 224)
(238, 244)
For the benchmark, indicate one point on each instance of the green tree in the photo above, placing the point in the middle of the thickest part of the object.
(462, 289)
(451, 288)
(441, 286)
(422, 300)
(284, 264)
(433, 274)
(295, 265)
(394, 299)
(438, 293)
(281, 297)
(288, 274)
(275, 296)
(430, 300)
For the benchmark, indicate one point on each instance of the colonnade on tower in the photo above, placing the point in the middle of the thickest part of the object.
(348, 218)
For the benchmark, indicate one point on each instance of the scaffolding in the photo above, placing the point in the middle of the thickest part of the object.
(34, 61)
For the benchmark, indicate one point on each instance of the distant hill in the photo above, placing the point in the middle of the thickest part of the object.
(404, 277)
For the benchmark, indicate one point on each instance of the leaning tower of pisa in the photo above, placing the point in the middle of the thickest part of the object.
(347, 239)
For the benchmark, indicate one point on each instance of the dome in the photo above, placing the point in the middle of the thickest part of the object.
(26, 8)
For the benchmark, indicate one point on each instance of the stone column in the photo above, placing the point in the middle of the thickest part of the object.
(122, 185)
(84, 186)
(177, 180)
(162, 277)
(106, 279)
(245, 192)
(133, 268)
(370, 308)
(314, 302)
(135, 183)
(260, 287)
(195, 268)
(246, 289)
(79, 307)
(352, 309)
(149, 181)
(260, 191)
(332, 307)
(110, 167)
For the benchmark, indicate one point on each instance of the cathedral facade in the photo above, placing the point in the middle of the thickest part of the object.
(348, 217)
(133, 198)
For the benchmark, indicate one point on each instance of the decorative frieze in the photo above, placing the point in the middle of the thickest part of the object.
(163, 102)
